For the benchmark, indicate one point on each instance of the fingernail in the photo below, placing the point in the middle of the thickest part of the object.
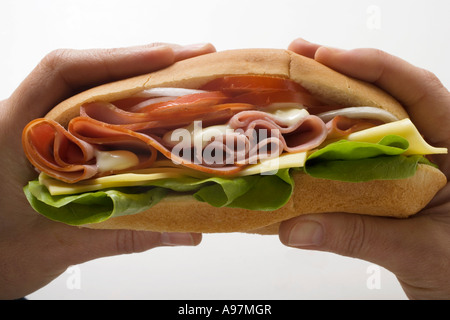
(176, 239)
(306, 233)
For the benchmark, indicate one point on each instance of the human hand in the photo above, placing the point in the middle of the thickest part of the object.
(35, 250)
(417, 249)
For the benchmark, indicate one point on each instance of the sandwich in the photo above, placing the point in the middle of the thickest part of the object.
(232, 141)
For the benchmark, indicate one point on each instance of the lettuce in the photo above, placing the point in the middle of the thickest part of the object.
(361, 161)
(91, 207)
(343, 160)
(259, 192)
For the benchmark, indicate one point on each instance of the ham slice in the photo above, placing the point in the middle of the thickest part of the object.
(53, 150)
(138, 125)
(171, 118)
(257, 135)
(99, 134)
(69, 155)
(341, 126)
(305, 134)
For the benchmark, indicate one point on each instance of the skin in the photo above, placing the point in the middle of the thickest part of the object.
(417, 249)
(35, 250)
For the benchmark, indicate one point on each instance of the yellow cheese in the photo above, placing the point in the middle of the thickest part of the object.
(271, 166)
(56, 187)
(163, 170)
(404, 128)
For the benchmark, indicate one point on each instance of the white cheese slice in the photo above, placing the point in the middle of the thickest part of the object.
(404, 128)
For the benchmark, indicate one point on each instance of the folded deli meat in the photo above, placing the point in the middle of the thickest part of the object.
(229, 123)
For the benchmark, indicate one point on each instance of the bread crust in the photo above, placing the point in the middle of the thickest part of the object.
(182, 213)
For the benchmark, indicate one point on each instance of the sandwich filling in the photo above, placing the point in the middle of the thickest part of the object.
(234, 142)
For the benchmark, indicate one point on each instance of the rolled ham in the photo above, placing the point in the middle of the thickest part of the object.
(139, 125)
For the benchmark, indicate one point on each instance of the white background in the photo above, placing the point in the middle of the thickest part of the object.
(231, 266)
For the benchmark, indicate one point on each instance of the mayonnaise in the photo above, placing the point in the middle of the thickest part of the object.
(115, 160)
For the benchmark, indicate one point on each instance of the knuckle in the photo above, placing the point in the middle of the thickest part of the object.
(380, 54)
(355, 240)
(125, 241)
(132, 241)
(376, 55)
(56, 59)
(431, 79)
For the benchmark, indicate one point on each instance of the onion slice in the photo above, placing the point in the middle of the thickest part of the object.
(166, 92)
(359, 113)
(148, 102)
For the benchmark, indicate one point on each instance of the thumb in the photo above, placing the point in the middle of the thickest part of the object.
(72, 245)
(391, 243)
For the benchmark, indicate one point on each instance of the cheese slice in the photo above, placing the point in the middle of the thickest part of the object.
(271, 166)
(164, 169)
(56, 187)
(404, 128)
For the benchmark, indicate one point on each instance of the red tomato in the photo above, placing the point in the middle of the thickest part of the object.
(262, 90)
(248, 83)
(265, 98)
(188, 101)
(193, 107)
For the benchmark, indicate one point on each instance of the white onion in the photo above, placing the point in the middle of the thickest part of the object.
(361, 113)
(148, 102)
(162, 94)
(166, 92)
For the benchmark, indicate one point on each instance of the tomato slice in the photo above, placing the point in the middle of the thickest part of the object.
(189, 101)
(247, 83)
(196, 111)
(193, 107)
(265, 98)
(232, 93)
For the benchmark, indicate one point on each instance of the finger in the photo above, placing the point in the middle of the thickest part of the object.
(78, 245)
(118, 242)
(65, 72)
(391, 243)
(421, 93)
(303, 47)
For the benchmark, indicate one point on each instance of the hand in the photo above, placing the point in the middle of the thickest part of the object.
(417, 249)
(35, 250)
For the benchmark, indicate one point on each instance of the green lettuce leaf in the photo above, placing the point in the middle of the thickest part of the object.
(360, 161)
(91, 207)
(259, 192)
